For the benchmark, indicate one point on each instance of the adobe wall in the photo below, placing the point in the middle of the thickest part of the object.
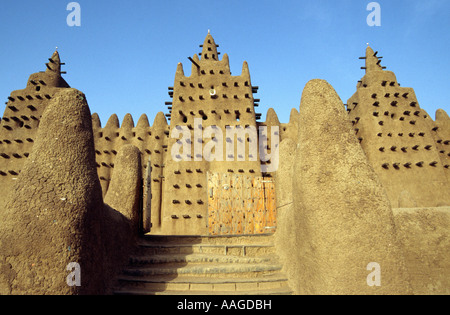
(125, 190)
(152, 143)
(398, 137)
(290, 130)
(423, 233)
(55, 215)
(21, 118)
(341, 219)
(335, 213)
(211, 96)
(269, 142)
(232, 105)
(440, 129)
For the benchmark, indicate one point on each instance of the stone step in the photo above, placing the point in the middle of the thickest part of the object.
(194, 258)
(203, 265)
(263, 239)
(285, 290)
(244, 250)
(210, 270)
(193, 284)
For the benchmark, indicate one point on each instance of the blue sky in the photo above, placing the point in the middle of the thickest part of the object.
(124, 54)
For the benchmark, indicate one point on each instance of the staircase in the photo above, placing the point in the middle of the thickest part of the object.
(201, 265)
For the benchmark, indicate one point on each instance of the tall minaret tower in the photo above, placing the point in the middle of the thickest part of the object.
(20, 121)
(205, 105)
(397, 137)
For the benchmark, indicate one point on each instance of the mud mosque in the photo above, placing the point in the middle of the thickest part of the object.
(209, 199)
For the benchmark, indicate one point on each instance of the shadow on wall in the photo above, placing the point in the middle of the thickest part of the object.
(55, 214)
(340, 219)
(156, 263)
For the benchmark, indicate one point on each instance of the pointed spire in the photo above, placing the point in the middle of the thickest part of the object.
(245, 70)
(128, 122)
(180, 71)
(160, 121)
(96, 124)
(209, 51)
(226, 61)
(373, 62)
(442, 116)
(113, 122)
(54, 64)
(442, 120)
(272, 118)
(143, 122)
(195, 69)
(294, 116)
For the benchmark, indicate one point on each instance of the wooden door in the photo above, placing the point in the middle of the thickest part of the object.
(240, 205)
